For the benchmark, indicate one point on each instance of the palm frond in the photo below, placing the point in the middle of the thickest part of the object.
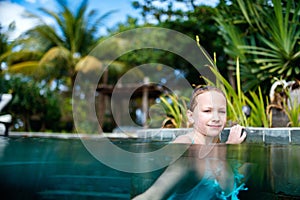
(27, 68)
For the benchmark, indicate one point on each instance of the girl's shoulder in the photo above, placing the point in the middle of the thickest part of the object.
(184, 139)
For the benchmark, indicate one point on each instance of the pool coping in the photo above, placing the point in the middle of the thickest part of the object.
(280, 135)
(70, 135)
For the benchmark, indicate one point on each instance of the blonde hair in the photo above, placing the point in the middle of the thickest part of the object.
(200, 89)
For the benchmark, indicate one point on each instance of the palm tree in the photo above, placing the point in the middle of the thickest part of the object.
(54, 54)
(70, 40)
(5, 45)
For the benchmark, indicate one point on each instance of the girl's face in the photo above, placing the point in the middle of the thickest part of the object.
(209, 115)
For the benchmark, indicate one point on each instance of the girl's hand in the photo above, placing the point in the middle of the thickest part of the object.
(235, 136)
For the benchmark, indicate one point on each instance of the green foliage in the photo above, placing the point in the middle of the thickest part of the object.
(293, 112)
(236, 100)
(176, 108)
(33, 102)
(293, 115)
(198, 19)
(279, 50)
(258, 105)
(62, 47)
(265, 36)
(49, 55)
(6, 46)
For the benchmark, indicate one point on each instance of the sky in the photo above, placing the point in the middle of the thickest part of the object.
(13, 10)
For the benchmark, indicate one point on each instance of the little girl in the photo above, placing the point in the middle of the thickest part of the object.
(208, 115)
(204, 172)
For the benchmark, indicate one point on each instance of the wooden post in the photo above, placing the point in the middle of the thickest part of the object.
(145, 101)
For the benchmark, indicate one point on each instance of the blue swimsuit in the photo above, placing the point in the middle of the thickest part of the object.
(209, 188)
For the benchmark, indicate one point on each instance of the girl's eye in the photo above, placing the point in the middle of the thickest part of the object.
(222, 111)
(206, 110)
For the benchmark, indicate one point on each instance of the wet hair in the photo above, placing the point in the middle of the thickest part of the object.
(200, 89)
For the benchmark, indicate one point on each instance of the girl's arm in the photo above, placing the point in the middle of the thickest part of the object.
(164, 185)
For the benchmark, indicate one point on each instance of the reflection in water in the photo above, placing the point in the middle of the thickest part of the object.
(203, 172)
(215, 176)
(284, 169)
(44, 168)
(273, 172)
(47, 168)
(3, 144)
(256, 163)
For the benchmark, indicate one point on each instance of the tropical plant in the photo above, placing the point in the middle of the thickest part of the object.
(284, 97)
(175, 108)
(33, 102)
(64, 45)
(54, 54)
(5, 45)
(279, 52)
(237, 99)
(258, 104)
(291, 106)
(293, 114)
(235, 102)
(265, 36)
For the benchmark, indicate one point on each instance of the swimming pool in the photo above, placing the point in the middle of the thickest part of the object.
(62, 168)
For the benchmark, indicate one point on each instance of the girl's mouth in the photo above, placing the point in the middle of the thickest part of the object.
(215, 126)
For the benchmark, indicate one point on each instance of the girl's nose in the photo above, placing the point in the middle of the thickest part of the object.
(215, 116)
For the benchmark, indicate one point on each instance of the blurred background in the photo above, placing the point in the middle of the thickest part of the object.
(254, 44)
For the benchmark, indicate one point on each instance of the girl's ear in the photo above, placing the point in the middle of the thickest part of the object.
(190, 118)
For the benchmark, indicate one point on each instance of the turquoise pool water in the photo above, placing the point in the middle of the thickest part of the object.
(53, 168)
